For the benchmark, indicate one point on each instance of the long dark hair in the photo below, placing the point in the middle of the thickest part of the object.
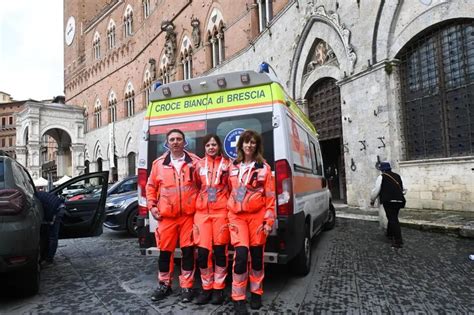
(210, 136)
(246, 136)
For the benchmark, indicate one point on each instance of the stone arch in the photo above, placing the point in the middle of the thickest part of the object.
(97, 151)
(436, 14)
(325, 26)
(214, 18)
(126, 143)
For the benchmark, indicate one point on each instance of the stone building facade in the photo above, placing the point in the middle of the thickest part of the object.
(381, 80)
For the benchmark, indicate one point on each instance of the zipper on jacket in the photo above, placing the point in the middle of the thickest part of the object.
(179, 190)
(210, 185)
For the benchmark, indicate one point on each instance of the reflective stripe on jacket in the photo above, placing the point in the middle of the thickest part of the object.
(222, 185)
(173, 193)
(260, 191)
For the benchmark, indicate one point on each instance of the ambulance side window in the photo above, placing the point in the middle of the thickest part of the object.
(316, 159)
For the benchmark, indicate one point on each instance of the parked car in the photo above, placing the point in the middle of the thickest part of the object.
(21, 219)
(121, 208)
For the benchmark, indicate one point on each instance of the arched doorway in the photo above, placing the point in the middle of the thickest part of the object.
(131, 163)
(324, 108)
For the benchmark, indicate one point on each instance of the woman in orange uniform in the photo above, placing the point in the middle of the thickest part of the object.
(251, 208)
(211, 231)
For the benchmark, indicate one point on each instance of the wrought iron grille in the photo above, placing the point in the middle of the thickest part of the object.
(324, 107)
(437, 76)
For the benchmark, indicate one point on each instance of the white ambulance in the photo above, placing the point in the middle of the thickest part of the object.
(226, 105)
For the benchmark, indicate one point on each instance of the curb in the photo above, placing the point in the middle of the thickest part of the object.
(466, 230)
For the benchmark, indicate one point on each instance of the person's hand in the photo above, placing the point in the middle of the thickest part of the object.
(267, 229)
(156, 213)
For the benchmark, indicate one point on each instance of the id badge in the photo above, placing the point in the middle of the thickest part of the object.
(211, 194)
(241, 193)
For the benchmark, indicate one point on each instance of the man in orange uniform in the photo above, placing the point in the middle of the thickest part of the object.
(251, 207)
(211, 227)
(171, 195)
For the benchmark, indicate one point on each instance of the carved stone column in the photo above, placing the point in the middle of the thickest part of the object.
(33, 160)
(77, 159)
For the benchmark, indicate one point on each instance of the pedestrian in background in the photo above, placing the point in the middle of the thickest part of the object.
(171, 196)
(211, 230)
(53, 211)
(251, 208)
(390, 191)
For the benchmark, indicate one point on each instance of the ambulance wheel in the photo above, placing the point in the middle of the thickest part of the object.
(301, 264)
(331, 222)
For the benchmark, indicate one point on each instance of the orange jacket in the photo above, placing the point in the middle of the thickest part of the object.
(173, 193)
(220, 183)
(260, 191)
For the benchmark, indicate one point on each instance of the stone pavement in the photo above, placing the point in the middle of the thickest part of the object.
(460, 223)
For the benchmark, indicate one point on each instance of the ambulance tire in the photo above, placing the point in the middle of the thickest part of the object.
(331, 222)
(301, 264)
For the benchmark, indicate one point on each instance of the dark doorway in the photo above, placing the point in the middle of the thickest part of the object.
(324, 108)
(99, 165)
(131, 163)
(115, 170)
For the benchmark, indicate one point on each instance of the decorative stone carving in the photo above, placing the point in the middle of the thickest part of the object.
(196, 33)
(152, 63)
(332, 19)
(321, 54)
(170, 41)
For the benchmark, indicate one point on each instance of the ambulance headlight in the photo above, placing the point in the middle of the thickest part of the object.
(245, 78)
(187, 88)
(221, 82)
(166, 91)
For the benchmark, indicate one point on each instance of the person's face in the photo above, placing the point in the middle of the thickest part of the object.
(211, 147)
(176, 143)
(249, 148)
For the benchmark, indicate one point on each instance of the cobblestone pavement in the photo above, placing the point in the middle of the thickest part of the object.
(353, 271)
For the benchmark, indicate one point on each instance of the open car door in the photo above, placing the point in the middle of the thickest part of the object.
(83, 216)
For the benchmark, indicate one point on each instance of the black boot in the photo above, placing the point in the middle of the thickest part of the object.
(161, 292)
(217, 297)
(255, 301)
(240, 308)
(204, 297)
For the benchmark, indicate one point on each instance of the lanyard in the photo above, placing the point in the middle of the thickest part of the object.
(218, 172)
(242, 170)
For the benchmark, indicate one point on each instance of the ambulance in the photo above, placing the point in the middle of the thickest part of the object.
(227, 105)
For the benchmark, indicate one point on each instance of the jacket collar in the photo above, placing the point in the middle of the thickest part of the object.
(187, 158)
(256, 165)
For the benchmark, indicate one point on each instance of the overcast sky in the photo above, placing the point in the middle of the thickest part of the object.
(31, 48)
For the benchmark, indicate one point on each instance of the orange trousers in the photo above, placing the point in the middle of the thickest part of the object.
(211, 231)
(167, 233)
(247, 235)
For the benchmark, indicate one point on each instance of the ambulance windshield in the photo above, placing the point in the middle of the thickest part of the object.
(227, 128)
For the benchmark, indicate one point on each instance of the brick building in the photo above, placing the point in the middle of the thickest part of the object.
(381, 80)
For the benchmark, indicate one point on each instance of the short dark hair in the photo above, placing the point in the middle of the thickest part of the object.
(246, 136)
(210, 136)
(175, 130)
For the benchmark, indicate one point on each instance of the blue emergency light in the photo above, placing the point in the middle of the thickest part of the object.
(264, 68)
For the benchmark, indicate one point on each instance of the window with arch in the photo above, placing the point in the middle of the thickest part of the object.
(130, 100)
(165, 74)
(128, 22)
(186, 59)
(96, 45)
(437, 77)
(216, 41)
(147, 87)
(264, 13)
(98, 113)
(112, 107)
(146, 8)
(111, 35)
